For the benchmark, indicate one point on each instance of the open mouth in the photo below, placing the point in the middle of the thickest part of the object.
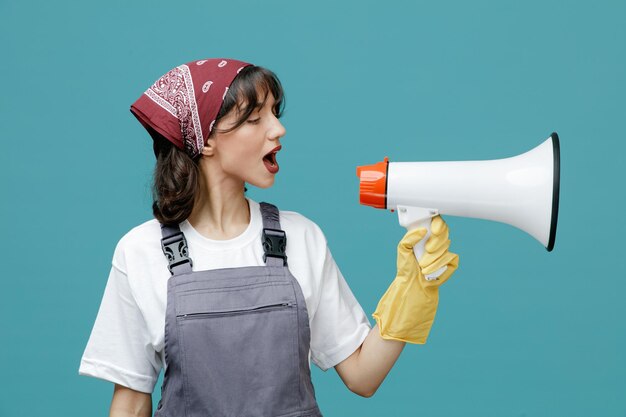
(270, 158)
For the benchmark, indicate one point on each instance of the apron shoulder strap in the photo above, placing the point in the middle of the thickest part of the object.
(174, 247)
(274, 239)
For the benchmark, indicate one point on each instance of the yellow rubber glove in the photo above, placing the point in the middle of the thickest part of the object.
(406, 311)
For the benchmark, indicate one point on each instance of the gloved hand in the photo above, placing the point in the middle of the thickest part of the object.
(406, 311)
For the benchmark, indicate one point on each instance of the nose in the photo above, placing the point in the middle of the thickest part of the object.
(278, 130)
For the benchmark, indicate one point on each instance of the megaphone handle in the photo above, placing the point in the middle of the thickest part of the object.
(420, 247)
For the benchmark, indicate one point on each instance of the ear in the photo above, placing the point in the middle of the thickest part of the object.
(209, 148)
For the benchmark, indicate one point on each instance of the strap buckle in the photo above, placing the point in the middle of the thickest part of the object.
(274, 244)
(175, 249)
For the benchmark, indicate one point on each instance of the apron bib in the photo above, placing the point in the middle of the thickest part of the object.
(236, 339)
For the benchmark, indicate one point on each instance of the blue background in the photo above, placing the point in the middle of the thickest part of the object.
(519, 332)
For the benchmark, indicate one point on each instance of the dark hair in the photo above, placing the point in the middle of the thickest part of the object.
(176, 178)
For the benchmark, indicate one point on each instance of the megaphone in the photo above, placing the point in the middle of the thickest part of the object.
(522, 190)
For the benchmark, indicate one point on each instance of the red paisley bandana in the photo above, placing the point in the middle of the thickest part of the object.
(182, 105)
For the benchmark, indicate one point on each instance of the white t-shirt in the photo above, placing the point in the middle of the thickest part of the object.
(126, 342)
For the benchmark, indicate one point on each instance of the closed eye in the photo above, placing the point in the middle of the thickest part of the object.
(254, 121)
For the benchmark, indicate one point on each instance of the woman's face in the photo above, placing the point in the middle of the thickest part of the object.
(248, 153)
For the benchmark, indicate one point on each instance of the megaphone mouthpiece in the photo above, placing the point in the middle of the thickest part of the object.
(373, 184)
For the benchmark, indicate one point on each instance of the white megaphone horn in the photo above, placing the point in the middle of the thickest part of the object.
(522, 190)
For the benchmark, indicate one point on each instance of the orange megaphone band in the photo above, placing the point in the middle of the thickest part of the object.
(373, 184)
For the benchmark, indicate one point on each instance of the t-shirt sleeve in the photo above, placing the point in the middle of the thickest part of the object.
(119, 348)
(339, 324)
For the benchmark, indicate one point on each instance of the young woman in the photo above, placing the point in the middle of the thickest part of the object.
(235, 298)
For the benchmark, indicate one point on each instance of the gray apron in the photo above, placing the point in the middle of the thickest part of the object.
(236, 339)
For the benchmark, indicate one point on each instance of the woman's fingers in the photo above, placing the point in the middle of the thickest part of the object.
(437, 225)
(411, 238)
(452, 266)
(449, 259)
(435, 241)
(430, 257)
